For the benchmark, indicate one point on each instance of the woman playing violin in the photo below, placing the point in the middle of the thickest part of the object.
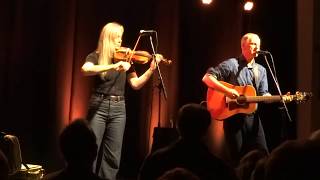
(106, 112)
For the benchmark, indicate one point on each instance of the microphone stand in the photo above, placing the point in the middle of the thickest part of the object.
(160, 86)
(276, 82)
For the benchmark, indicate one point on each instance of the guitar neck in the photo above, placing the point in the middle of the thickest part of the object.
(253, 99)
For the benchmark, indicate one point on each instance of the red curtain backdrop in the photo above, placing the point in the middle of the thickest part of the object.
(43, 45)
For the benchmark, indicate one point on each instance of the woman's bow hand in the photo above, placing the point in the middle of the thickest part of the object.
(122, 66)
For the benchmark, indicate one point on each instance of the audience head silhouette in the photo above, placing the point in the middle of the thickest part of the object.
(189, 151)
(4, 166)
(78, 144)
(294, 160)
(249, 161)
(178, 174)
(193, 121)
(79, 148)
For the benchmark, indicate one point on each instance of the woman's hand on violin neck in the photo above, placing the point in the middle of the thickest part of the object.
(122, 66)
(159, 57)
(155, 61)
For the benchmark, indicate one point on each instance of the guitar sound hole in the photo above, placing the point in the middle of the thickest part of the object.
(237, 105)
(241, 100)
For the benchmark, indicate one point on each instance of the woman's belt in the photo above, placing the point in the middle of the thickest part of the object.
(110, 97)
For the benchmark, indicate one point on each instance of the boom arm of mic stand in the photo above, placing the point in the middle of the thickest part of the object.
(277, 85)
(162, 86)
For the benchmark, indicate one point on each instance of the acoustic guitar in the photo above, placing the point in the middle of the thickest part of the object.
(222, 107)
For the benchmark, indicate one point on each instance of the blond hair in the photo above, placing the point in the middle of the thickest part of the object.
(106, 44)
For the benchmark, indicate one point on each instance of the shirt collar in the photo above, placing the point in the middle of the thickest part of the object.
(251, 64)
(244, 62)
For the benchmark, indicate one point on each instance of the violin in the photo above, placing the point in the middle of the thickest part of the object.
(140, 57)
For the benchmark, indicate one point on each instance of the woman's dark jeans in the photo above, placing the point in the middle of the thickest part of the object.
(107, 119)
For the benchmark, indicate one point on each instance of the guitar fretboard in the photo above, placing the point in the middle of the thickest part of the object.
(259, 98)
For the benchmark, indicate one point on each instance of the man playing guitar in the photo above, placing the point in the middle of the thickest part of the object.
(243, 131)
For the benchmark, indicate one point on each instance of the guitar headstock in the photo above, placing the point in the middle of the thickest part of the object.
(299, 97)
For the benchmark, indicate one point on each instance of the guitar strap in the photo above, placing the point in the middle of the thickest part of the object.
(255, 71)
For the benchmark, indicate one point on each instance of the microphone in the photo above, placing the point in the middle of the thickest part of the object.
(263, 52)
(147, 32)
